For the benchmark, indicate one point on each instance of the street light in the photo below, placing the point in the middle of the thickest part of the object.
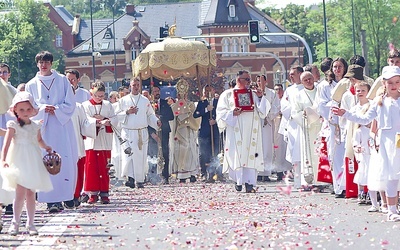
(115, 53)
(91, 27)
(354, 29)
(325, 30)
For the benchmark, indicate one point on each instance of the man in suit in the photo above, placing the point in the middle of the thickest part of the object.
(164, 113)
(208, 132)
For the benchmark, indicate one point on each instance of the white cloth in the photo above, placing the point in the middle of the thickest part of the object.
(103, 140)
(83, 126)
(267, 129)
(289, 128)
(279, 161)
(57, 131)
(25, 161)
(184, 152)
(360, 139)
(304, 102)
(387, 116)
(82, 95)
(134, 128)
(116, 158)
(243, 145)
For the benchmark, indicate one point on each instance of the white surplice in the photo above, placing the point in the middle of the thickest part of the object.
(243, 153)
(57, 131)
(134, 128)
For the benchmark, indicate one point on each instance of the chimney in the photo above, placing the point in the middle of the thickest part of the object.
(130, 9)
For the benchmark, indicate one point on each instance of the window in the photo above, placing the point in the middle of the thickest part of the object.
(86, 46)
(235, 45)
(225, 45)
(244, 44)
(105, 46)
(108, 34)
(59, 41)
(277, 77)
(106, 63)
(232, 11)
(84, 63)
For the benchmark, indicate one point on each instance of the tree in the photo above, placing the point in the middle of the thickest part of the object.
(27, 30)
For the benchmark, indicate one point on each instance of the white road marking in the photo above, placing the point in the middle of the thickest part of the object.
(50, 232)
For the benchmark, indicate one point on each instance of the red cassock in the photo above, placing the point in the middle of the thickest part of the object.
(324, 170)
(351, 187)
(96, 171)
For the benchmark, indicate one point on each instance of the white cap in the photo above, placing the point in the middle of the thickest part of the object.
(23, 97)
(390, 71)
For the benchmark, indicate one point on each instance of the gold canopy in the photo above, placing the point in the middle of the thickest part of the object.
(174, 58)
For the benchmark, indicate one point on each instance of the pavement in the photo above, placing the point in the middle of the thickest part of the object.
(210, 216)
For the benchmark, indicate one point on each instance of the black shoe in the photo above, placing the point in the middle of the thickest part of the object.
(130, 183)
(9, 210)
(53, 208)
(266, 178)
(182, 180)
(259, 178)
(166, 181)
(249, 188)
(77, 203)
(140, 185)
(193, 179)
(69, 204)
(238, 187)
(342, 195)
(280, 176)
(60, 206)
(84, 198)
(210, 180)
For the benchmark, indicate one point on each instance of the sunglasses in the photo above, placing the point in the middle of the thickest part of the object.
(247, 79)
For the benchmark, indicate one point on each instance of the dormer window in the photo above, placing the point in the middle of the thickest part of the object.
(232, 11)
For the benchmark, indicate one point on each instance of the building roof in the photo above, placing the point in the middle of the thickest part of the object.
(185, 15)
(218, 13)
(64, 14)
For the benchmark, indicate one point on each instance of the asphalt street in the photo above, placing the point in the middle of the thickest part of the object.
(210, 216)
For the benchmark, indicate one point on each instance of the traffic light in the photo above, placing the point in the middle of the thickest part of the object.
(163, 32)
(254, 32)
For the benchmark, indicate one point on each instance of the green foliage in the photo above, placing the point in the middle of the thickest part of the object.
(377, 17)
(27, 30)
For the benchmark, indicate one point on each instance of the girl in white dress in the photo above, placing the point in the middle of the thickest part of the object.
(23, 139)
(386, 111)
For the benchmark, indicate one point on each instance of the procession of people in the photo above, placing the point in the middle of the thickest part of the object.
(337, 132)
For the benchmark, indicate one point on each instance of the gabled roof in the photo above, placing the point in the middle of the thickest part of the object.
(150, 18)
(64, 14)
(218, 13)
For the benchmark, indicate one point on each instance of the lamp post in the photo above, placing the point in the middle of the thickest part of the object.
(354, 29)
(115, 53)
(325, 30)
(91, 28)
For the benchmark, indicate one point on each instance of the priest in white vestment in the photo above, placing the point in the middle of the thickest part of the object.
(53, 94)
(305, 115)
(267, 126)
(135, 114)
(243, 153)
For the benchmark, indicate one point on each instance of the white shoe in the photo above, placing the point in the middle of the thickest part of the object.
(14, 229)
(32, 230)
(383, 210)
(373, 209)
(393, 217)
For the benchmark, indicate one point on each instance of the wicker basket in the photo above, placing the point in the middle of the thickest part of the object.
(52, 162)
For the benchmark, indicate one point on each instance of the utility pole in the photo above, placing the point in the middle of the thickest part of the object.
(325, 30)
(91, 28)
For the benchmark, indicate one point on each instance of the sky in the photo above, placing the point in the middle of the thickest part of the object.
(282, 3)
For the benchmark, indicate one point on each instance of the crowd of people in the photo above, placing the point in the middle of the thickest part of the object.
(317, 131)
